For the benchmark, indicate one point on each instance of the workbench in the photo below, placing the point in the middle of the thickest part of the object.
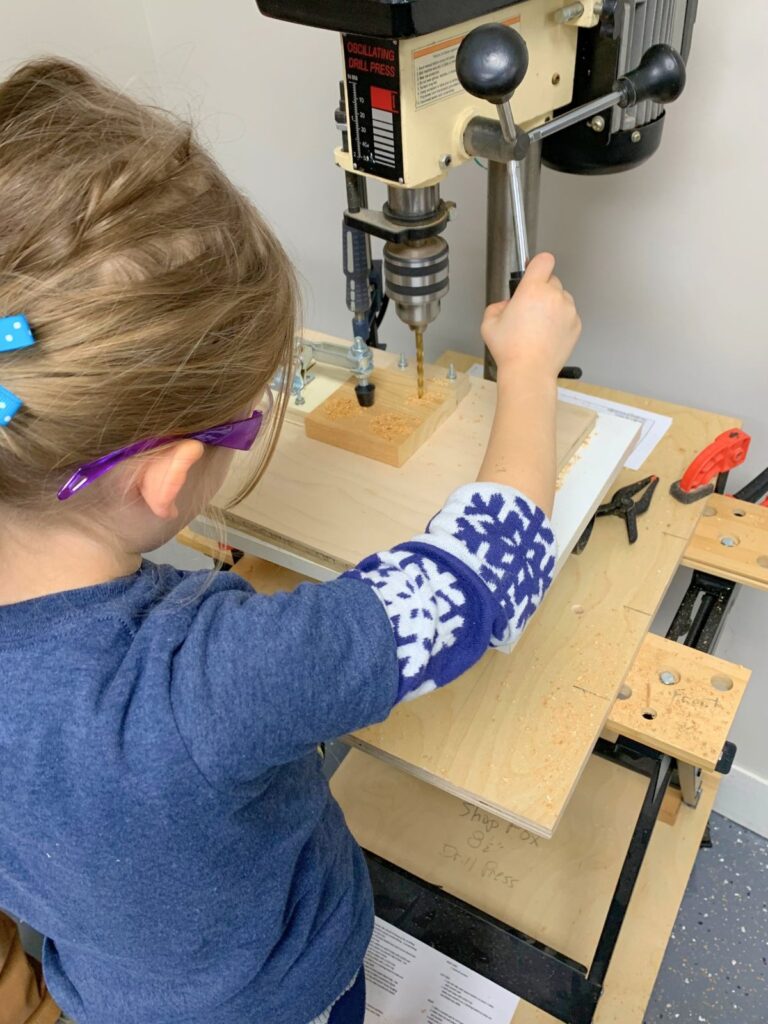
(523, 763)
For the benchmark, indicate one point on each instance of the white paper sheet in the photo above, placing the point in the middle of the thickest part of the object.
(653, 426)
(408, 981)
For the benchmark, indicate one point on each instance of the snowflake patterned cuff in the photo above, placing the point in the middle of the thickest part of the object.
(507, 541)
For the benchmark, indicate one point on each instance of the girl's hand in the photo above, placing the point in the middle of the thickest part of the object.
(536, 330)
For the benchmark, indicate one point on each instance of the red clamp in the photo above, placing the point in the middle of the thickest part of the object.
(726, 452)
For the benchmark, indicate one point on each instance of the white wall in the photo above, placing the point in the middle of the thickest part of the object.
(111, 38)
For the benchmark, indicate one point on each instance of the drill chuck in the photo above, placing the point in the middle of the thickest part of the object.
(416, 276)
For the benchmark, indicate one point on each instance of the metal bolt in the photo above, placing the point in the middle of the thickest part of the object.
(668, 678)
(445, 160)
(728, 542)
(568, 13)
(402, 362)
(636, 136)
(451, 375)
(597, 124)
(556, 78)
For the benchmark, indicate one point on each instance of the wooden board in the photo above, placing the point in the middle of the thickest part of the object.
(398, 423)
(745, 527)
(690, 718)
(557, 890)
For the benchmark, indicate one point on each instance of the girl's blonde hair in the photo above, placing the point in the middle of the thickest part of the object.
(160, 301)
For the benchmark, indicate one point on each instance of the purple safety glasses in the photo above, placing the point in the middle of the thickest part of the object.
(239, 434)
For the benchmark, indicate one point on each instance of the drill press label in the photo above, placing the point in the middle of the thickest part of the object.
(434, 68)
(372, 68)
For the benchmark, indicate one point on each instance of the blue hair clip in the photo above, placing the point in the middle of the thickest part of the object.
(15, 333)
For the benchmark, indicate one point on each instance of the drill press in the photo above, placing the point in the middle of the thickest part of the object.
(428, 85)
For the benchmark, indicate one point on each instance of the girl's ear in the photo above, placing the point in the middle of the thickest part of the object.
(165, 473)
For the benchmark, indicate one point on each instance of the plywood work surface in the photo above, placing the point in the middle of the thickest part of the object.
(744, 528)
(335, 507)
(690, 715)
(557, 890)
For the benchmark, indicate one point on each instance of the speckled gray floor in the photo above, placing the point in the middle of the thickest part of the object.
(716, 967)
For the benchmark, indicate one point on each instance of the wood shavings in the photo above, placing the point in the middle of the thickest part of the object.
(392, 425)
(341, 408)
(431, 397)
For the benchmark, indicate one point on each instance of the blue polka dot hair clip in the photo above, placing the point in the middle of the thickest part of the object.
(15, 333)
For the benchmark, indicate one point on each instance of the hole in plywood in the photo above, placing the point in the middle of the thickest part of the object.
(739, 513)
(722, 683)
(669, 677)
(763, 561)
(625, 692)
(709, 511)
(649, 714)
(577, 609)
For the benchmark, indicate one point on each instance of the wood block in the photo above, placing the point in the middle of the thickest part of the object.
(557, 890)
(745, 525)
(267, 578)
(670, 806)
(212, 548)
(690, 718)
(398, 423)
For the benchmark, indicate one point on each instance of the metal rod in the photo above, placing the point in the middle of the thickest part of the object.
(574, 116)
(507, 122)
(501, 257)
(518, 213)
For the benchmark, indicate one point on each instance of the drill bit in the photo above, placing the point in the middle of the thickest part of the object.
(419, 360)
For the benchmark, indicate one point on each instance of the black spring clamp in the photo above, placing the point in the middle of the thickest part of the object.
(623, 505)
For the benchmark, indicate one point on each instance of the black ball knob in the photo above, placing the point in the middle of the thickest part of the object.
(660, 76)
(492, 62)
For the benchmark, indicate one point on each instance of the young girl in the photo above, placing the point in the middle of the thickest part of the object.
(164, 821)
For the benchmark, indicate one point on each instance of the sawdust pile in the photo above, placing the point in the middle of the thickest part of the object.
(392, 426)
(342, 408)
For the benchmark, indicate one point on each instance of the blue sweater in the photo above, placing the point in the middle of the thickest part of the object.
(163, 816)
